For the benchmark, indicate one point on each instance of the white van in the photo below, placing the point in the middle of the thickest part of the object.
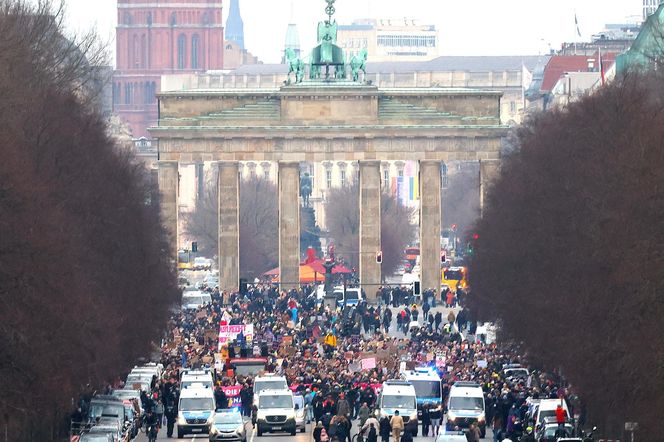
(193, 380)
(195, 411)
(465, 406)
(276, 412)
(398, 395)
(349, 296)
(269, 381)
(547, 408)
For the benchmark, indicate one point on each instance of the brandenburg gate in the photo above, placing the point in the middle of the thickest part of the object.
(326, 117)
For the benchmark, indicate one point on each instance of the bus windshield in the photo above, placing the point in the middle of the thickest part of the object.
(427, 389)
(453, 275)
(248, 367)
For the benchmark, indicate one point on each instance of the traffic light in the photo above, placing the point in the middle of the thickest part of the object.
(416, 288)
(443, 257)
(243, 286)
(194, 247)
(476, 236)
(379, 257)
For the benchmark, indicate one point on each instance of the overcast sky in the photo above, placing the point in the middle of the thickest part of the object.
(466, 27)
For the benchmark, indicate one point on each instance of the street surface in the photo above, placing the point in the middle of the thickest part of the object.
(251, 437)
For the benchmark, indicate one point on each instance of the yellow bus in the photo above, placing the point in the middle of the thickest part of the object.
(185, 260)
(454, 277)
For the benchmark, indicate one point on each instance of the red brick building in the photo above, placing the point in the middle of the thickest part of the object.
(161, 37)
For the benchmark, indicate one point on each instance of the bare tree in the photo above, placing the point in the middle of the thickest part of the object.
(569, 250)
(343, 223)
(258, 225)
(461, 198)
(86, 281)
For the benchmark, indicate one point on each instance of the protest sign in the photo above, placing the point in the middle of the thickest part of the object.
(368, 363)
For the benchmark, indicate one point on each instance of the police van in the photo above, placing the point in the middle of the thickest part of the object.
(465, 406)
(428, 386)
(195, 410)
(398, 395)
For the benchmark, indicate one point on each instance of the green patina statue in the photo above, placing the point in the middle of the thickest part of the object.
(359, 63)
(295, 66)
(327, 54)
(305, 188)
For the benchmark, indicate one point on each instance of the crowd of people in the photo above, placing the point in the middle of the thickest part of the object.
(318, 349)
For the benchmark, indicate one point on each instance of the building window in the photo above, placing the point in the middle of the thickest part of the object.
(386, 175)
(144, 51)
(328, 179)
(128, 18)
(400, 172)
(195, 43)
(182, 51)
(266, 174)
(135, 54)
(445, 178)
(343, 178)
(513, 107)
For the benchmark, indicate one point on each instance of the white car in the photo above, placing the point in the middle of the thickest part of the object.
(195, 299)
(201, 263)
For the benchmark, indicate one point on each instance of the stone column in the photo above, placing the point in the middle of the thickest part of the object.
(430, 224)
(370, 270)
(289, 224)
(488, 173)
(168, 179)
(229, 225)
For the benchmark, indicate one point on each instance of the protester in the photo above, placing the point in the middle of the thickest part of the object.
(397, 425)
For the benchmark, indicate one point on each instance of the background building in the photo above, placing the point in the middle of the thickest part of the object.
(153, 39)
(650, 6)
(390, 40)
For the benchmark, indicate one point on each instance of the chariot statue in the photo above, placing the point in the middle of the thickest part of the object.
(327, 56)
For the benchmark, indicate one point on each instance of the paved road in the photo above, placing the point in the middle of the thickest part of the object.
(251, 437)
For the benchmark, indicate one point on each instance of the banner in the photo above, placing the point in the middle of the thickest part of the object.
(405, 188)
(233, 395)
(228, 333)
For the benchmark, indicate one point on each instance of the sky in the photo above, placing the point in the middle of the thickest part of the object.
(466, 27)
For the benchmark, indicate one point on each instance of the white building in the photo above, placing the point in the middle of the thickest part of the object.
(650, 6)
(390, 39)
